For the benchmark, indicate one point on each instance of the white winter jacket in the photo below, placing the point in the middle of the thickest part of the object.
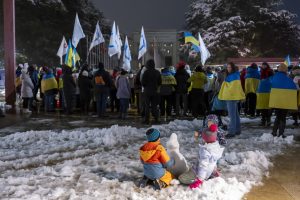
(209, 154)
(27, 86)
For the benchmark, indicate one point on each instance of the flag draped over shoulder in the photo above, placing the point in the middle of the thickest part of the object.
(231, 88)
(126, 56)
(77, 32)
(143, 44)
(98, 37)
(113, 47)
(62, 49)
(203, 50)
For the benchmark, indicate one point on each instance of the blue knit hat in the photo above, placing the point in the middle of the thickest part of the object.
(152, 134)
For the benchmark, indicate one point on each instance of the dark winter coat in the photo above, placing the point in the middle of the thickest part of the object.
(85, 85)
(151, 81)
(182, 78)
(69, 85)
(102, 81)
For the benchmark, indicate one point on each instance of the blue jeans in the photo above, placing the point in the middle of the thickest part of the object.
(233, 113)
(124, 105)
(49, 102)
(101, 100)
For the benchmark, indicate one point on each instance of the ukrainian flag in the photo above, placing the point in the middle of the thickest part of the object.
(188, 37)
(231, 88)
(263, 94)
(48, 83)
(287, 61)
(75, 57)
(69, 57)
(252, 80)
(283, 92)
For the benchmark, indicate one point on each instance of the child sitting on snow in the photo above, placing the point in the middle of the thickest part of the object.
(155, 160)
(209, 154)
(212, 119)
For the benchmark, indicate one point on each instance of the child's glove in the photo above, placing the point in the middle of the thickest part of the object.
(197, 183)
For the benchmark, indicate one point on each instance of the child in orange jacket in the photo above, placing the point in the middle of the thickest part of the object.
(155, 160)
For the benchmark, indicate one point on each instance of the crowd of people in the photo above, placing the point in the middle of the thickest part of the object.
(172, 92)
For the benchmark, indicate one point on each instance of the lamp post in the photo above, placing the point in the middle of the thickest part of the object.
(9, 51)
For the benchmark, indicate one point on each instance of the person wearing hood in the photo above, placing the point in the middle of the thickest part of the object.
(283, 98)
(208, 89)
(69, 89)
(166, 90)
(26, 91)
(232, 92)
(85, 87)
(49, 89)
(208, 155)
(151, 80)
(263, 94)
(182, 77)
(123, 93)
(198, 80)
(102, 84)
(252, 79)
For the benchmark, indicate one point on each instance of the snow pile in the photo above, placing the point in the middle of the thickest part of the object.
(104, 164)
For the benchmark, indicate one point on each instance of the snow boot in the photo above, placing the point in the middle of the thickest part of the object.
(158, 184)
(144, 182)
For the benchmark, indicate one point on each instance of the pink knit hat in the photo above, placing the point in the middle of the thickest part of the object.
(210, 135)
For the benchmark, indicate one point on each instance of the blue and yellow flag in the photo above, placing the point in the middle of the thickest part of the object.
(189, 38)
(287, 61)
(231, 88)
(69, 56)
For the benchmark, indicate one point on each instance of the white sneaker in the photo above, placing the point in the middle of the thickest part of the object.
(26, 111)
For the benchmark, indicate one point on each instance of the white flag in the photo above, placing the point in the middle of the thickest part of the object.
(143, 44)
(203, 51)
(120, 44)
(62, 49)
(113, 47)
(98, 37)
(77, 32)
(126, 56)
(157, 57)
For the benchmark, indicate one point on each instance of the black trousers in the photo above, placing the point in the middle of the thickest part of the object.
(151, 101)
(166, 102)
(280, 121)
(114, 101)
(198, 105)
(85, 101)
(266, 115)
(207, 99)
(250, 105)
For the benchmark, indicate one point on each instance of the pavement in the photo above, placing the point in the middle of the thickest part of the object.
(283, 182)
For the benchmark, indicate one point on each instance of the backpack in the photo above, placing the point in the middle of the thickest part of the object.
(99, 80)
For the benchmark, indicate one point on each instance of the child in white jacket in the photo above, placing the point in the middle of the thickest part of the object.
(209, 153)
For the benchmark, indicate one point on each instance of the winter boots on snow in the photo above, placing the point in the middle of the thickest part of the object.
(156, 184)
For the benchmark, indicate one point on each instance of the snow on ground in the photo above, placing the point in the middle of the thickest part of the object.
(104, 163)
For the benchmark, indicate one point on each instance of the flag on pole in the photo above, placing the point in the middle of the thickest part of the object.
(126, 56)
(75, 57)
(157, 56)
(143, 44)
(77, 32)
(120, 44)
(62, 49)
(287, 61)
(98, 37)
(113, 47)
(203, 50)
(69, 56)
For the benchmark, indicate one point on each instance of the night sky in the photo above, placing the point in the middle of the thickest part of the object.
(130, 15)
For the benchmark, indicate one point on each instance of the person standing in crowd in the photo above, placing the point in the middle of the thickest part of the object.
(49, 89)
(296, 78)
(138, 91)
(182, 86)
(18, 81)
(85, 87)
(26, 91)
(123, 93)
(251, 85)
(35, 80)
(166, 90)
(232, 92)
(283, 97)
(208, 89)
(114, 101)
(69, 89)
(263, 94)
(198, 80)
(59, 75)
(151, 80)
(131, 83)
(102, 84)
